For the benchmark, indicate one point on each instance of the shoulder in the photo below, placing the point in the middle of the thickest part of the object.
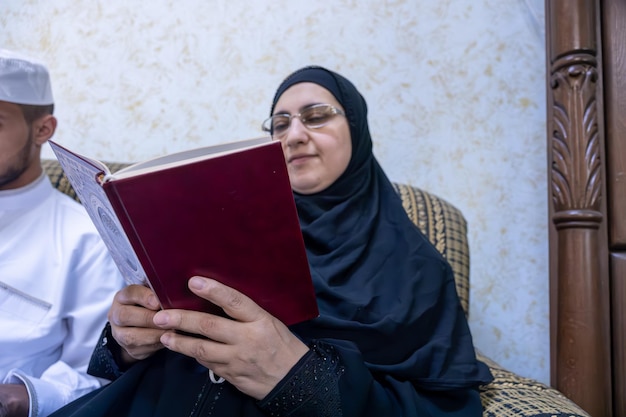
(68, 206)
(72, 218)
(78, 239)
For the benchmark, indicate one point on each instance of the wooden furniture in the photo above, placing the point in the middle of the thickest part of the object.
(586, 106)
(444, 225)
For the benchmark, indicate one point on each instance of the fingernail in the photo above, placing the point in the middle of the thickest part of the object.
(196, 283)
(161, 318)
(165, 339)
(154, 302)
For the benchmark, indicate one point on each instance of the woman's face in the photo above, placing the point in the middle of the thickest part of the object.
(315, 157)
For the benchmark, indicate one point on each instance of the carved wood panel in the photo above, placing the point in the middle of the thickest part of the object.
(578, 246)
(614, 78)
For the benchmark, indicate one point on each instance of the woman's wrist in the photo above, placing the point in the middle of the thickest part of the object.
(309, 385)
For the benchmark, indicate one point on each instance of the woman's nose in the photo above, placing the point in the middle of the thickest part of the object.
(296, 133)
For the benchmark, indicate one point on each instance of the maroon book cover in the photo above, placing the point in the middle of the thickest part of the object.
(229, 216)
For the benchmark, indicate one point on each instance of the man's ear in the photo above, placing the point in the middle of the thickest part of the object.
(44, 128)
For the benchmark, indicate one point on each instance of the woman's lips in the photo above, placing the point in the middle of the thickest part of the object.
(299, 159)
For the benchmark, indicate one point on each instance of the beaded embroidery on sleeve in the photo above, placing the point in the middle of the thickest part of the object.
(310, 388)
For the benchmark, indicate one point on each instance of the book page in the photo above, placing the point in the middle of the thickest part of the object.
(188, 156)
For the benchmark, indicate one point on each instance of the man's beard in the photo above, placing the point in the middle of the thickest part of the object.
(19, 164)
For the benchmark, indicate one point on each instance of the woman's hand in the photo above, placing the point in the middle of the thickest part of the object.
(252, 349)
(131, 318)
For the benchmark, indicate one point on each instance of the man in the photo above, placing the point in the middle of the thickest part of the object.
(57, 279)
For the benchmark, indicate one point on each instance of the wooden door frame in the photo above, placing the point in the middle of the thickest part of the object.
(586, 137)
(579, 267)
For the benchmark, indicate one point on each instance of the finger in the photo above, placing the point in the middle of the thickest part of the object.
(213, 327)
(207, 352)
(131, 316)
(137, 295)
(139, 343)
(234, 303)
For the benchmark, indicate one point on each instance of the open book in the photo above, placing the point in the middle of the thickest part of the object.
(225, 212)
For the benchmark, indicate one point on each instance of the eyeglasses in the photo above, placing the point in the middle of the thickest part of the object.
(313, 117)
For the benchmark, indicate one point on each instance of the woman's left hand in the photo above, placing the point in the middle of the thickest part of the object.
(252, 349)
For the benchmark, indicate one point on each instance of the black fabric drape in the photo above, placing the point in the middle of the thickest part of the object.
(380, 283)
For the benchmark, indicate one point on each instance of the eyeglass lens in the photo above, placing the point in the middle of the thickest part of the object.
(312, 117)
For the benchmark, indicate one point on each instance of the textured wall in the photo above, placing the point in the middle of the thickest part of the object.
(455, 91)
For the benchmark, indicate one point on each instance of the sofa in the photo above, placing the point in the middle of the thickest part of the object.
(509, 394)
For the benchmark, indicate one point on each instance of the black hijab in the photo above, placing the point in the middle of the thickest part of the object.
(380, 283)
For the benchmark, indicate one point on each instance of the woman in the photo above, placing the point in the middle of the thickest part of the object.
(391, 339)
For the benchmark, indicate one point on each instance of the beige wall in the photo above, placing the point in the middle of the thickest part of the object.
(455, 91)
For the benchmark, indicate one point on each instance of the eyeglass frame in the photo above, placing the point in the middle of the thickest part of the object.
(334, 111)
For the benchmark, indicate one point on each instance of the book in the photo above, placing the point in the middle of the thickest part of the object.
(225, 212)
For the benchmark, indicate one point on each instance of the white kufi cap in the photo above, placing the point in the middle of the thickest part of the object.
(24, 80)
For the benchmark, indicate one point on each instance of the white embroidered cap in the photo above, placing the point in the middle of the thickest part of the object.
(24, 80)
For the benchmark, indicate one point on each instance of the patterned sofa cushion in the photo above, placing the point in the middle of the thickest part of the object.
(60, 181)
(444, 225)
(509, 394)
(512, 395)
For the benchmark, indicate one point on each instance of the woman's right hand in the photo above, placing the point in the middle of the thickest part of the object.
(132, 326)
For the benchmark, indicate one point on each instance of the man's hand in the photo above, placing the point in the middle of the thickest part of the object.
(13, 400)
